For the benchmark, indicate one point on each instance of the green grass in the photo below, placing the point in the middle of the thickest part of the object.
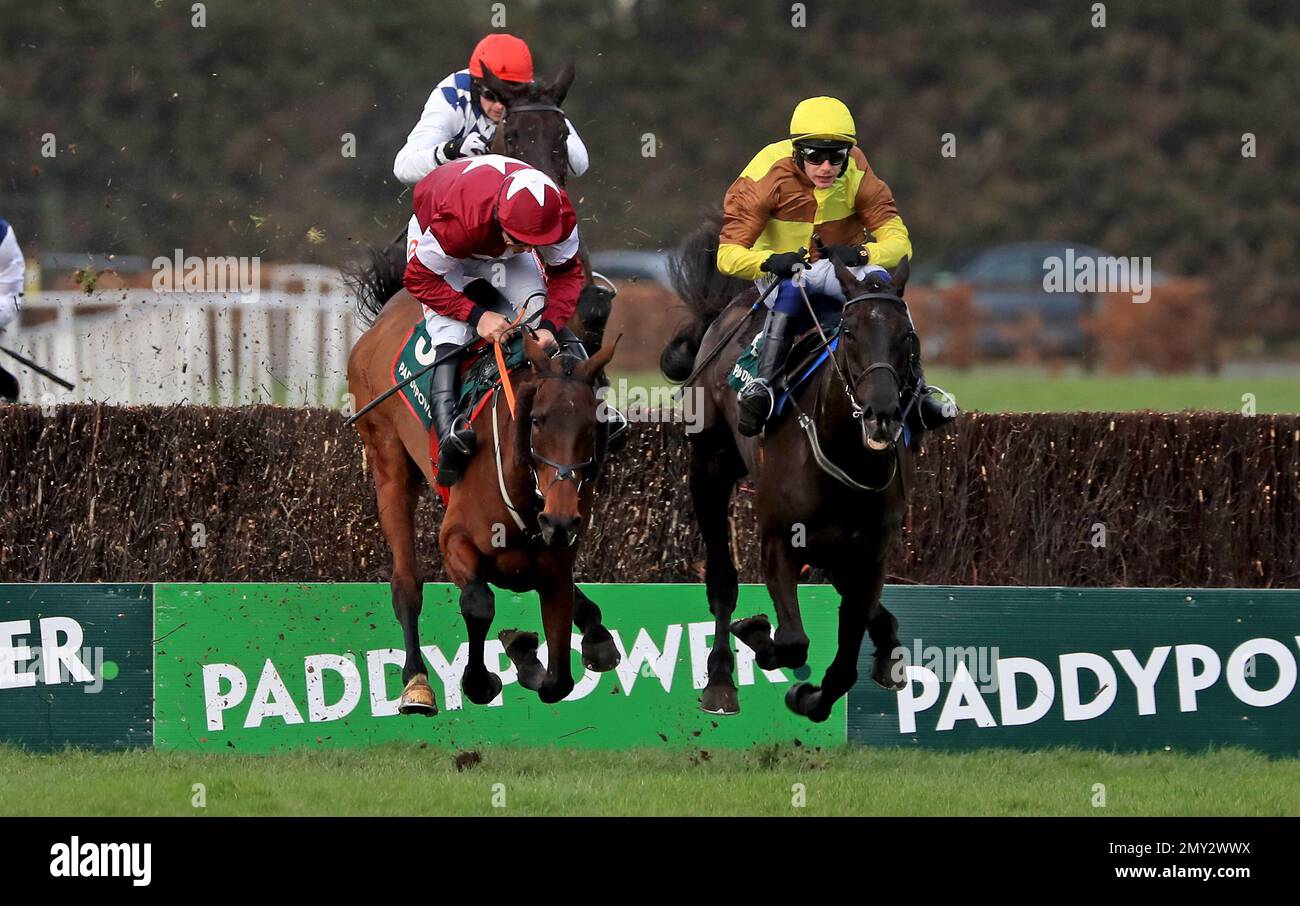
(1018, 389)
(403, 779)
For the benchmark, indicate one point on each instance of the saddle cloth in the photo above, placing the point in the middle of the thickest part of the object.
(478, 380)
(800, 363)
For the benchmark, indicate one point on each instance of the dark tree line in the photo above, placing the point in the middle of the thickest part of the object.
(226, 139)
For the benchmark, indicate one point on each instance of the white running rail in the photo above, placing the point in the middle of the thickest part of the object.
(136, 346)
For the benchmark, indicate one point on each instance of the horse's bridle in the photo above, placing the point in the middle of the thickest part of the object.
(535, 107)
(564, 471)
(531, 107)
(907, 389)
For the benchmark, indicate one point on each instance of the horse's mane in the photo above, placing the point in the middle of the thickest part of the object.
(706, 291)
(375, 281)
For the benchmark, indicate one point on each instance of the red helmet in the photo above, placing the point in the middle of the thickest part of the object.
(530, 208)
(507, 56)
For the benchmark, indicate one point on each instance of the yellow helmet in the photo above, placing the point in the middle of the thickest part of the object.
(823, 118)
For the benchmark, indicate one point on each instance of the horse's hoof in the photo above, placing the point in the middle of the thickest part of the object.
(889, 674)
(521, 648)
(555, 692)
(599, 653)
(518, 644)
(757, 628)
(789, 649)
(720, 700)
(802, 697)
(481, 691)
(417, 698)
(808, 700)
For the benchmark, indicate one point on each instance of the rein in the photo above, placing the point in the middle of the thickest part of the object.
(498, 349)
(530, 107)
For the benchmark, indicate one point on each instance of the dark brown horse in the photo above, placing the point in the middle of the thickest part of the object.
(828, 476)
(515, 519)
(534, 129)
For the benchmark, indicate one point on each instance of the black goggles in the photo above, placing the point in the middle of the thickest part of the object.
(835, 156)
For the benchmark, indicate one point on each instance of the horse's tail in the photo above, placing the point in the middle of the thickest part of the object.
(705, 290)
(376, 281)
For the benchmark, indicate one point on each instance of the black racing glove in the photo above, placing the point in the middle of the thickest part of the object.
(847, 255)
(783, 264)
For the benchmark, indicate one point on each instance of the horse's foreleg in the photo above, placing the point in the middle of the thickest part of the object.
(478, 607)
(888, 668)
(789, 646)
(557, 621)
(711, 485)
(599, 652)
(859, 586)
(397, 486)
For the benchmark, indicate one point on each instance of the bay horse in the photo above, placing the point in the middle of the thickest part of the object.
(397, 451)
(828, 476)
(514, 519)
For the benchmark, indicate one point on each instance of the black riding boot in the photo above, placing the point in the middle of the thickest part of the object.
(455, 448)
(758, 398)
(930, 412)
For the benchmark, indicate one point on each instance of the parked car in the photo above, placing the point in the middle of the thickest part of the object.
(1007, 281)
(633, 265)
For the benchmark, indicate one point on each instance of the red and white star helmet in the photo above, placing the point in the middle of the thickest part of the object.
(530, 208)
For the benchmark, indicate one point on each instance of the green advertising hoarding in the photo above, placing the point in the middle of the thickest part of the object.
(261, 668)
(1109, 668)
(76, 666)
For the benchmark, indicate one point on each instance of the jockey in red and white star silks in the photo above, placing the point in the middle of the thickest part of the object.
(495, 219)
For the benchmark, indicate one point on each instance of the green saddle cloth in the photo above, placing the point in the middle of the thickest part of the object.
(476, 379)
(746, 367)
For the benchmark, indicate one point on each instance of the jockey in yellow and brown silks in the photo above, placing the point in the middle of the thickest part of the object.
(816, 181)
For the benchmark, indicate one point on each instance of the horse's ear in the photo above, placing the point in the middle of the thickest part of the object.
(848, 282)
(900, 275)
(497, 86)
(593, 366)
(537, 356)
(559, 87)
